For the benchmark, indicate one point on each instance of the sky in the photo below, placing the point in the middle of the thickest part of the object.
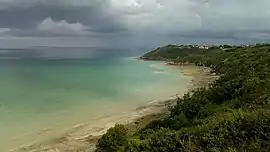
(132, 23)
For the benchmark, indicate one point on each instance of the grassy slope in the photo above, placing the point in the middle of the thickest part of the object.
(232, 114)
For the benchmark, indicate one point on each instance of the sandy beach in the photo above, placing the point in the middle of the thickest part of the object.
(83, 137)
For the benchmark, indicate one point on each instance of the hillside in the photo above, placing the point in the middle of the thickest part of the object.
(231, 114)
(174, 53)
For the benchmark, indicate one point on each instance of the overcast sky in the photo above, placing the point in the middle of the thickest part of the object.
(132, 22)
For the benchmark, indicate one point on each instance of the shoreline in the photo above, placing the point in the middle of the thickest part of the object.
(83, 137)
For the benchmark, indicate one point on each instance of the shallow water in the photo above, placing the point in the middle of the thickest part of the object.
(42, 98)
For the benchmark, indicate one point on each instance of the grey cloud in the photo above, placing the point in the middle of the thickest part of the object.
(61, 27)
(118, 21)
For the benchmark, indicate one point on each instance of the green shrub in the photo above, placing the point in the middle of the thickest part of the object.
(237, 130)
(114, 140)
(163, 140)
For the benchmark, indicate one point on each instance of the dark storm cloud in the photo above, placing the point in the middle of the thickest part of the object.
(25, 19)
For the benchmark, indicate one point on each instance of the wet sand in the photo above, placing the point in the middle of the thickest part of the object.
(83, 137)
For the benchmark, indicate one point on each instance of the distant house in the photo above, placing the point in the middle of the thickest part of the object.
(203, 47)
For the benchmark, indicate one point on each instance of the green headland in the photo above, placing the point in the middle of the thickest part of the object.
(230, 114)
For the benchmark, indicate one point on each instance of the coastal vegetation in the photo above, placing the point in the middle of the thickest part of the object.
(230, 114)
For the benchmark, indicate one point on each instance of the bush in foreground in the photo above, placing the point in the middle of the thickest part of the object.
(114, 140)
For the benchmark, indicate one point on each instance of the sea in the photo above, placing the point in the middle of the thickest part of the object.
(46, 91)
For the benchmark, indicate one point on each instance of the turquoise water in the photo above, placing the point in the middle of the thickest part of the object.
(40, 98)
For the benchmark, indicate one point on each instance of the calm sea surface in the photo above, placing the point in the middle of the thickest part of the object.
(41, 97)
